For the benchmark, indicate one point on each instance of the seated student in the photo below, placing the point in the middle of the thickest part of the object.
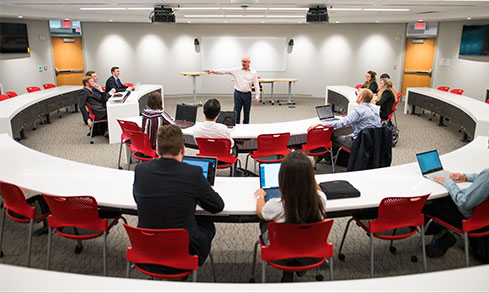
(370, 81)
(114, 82)
(455, 208)
(97, 101)
(302, 200)
(167, 191)
(362, 116)
(386, 98)
(96, 86)
(385, 75)
(209, 128)
(154, 116)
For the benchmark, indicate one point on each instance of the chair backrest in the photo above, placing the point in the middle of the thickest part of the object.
(398, 96)
(74, 211)
(11, 94)
(14, 200)
(90, 112)
(358, 86)
(213, 147)
(457, 91)
(48, 86)
(298, 240)
(396, 212)
(479, 219)
(318, 137)
(140, 143)
(394, 106)
(103, 88)
(443, 88)
(167, 247)
(371, 149)
(128, 84)
(32, 89)
(127, 125)
(4, 97)
(271, 144)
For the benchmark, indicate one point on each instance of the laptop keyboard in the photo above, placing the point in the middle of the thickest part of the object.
(184, 124)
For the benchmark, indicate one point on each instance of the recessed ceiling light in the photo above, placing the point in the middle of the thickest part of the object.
(111, 20)
(288, 8)
(337, 21)
(377, 21)
(469, 18)
(204, 15)
(286, 16)
(344, 9)
(226, 22)
(20, 16)
(386, 9)
(420, 20)
(244, 16)
(262, 21)
(299, 22)
(140, 8)
(244, 8)
(102, 8)
(197, 8)
(189, 21)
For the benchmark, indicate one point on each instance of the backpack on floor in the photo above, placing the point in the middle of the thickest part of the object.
(395, 131)
(480, 248)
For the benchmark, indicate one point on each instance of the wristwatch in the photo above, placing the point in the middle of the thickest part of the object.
(259, 196)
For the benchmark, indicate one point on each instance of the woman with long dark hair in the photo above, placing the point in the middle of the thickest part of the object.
(371, 81)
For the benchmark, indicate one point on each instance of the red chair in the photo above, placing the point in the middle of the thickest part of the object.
(103, 88)
(358, 86)
(219, 148)
(443, 88)
(271, 148)
(318, 143)
(92, 117)
(17, 208)
(79, 212)
(140, 147)
(393, 213)
(457, 91)
(470, 227)
(48, 86)
(11, 94)
(128, 84)
(289, 241)
(125, 126)
(32, 89)
(4, 97)
(165, 247)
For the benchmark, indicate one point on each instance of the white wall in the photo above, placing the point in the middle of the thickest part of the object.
(468, 73)
(18, 71)
(323, 54)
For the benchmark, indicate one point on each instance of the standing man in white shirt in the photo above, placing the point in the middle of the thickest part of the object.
(244, 79)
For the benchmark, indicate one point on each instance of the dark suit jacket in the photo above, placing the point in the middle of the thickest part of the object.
(371, 149)
(110, 84)
(167, 191)
(97, 102)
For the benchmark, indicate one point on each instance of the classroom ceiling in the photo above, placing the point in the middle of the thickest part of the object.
(249, 11)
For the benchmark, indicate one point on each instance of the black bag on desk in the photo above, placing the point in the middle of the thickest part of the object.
(338, 189)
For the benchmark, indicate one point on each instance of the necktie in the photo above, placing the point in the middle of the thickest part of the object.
(118, 82)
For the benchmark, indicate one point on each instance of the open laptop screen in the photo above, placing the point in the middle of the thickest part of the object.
(324, 112)
(208, 165)
(227, 118)
(186, 113)
(429, 162)
(269, 175)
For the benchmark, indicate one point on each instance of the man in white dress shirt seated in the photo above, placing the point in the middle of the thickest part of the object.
(209, 128)
(244, 79)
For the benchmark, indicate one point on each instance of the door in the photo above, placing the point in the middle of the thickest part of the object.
(68, 60)
(418, 63)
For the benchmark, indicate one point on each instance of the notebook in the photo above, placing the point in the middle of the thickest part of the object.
(208, 165)
(325, 113)
(227, 118)
(269, 180)
(430, 165)
(185, 115)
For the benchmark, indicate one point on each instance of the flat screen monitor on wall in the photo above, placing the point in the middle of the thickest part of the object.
(475, 40)
(13, 38)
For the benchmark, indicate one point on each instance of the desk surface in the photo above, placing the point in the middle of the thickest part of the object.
(192, 73)
(267, 80)
(472, 279)
(40, 172)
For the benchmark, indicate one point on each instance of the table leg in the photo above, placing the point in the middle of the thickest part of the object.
(271, 93)
(289, 100)
(194, 92)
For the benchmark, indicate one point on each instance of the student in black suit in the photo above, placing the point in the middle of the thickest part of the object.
(113, 82)
(93, 74)
(167, 191)
(97, 101)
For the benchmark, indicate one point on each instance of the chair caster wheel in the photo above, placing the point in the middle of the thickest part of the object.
(319, 278)
(392, 249)
(120, 168)
(91, 142)
(78, 249)
(414, 258)
(1, 253)
(252, 280)
(341, 256)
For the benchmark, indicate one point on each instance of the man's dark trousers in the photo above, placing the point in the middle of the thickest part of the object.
(242, 100)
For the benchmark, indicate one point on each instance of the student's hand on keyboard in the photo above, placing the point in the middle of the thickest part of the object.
(439, 179)
(458, 177)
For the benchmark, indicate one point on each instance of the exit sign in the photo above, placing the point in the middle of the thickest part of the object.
(420, 26)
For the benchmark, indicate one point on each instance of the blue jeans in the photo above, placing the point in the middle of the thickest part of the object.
(242, 100)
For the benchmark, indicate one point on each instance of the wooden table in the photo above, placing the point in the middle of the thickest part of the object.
(271, 81)
(194, 82)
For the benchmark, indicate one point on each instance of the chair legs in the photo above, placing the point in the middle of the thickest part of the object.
(91, 133)
(105, 253)
(466, 244)
(120, 154)
(214, 278)
(194, 276)
(340, 255)
(331, 275)
(50, 235)
(255, 251)
(425, 267)
(371, 254)
(1, 230)
(263, 271)
(29, 243)
(332, 160)
(128, 269)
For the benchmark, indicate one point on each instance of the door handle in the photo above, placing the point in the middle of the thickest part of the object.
(68, 71)
(429, 72)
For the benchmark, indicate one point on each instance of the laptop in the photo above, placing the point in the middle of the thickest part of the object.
(120, 96)
(269, 180)
(208, 165)
(227, 118)
(325, 113)
(185, 115)
(430, 165)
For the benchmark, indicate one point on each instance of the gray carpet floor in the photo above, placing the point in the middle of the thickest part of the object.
(66, 137)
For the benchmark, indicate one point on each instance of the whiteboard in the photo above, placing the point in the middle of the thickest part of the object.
(266, 54)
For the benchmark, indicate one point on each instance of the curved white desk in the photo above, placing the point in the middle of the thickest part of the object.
(40, 172)
(342, 96)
